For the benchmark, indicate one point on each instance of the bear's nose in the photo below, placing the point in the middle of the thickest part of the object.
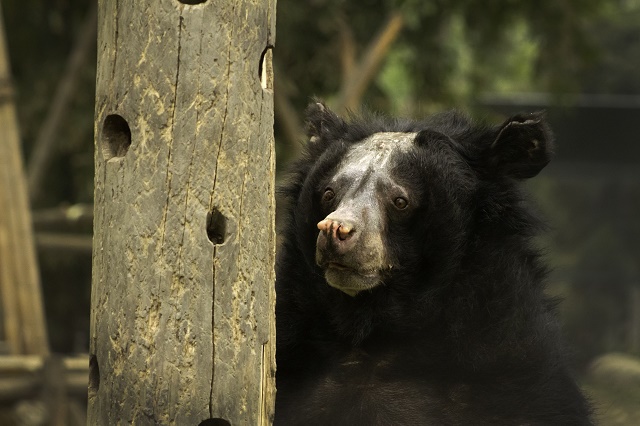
(339, 230)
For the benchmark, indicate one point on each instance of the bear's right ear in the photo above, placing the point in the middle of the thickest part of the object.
(322, 123)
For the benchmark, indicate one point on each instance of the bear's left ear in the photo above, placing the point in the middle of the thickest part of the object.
(522, 147)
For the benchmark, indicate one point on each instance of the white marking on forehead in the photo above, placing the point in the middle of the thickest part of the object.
(375, 151)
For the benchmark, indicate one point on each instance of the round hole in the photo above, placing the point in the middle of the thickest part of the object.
(116, 137)
(216, 227)
(215, 422)
(192, 1)
(94, 375)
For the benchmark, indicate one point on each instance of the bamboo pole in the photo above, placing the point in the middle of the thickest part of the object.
(19, 281)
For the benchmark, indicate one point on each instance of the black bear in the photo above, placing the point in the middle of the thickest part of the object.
(409, 291)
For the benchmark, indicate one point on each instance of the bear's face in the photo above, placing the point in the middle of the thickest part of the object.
(383, 205)
(379, 206)
(363, 193)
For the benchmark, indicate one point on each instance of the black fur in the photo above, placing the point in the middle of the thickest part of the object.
(460, 333)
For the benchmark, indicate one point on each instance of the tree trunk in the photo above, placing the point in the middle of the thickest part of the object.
(182, 324)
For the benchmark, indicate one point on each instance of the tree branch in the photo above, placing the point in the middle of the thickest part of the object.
(45, 142)
(363, 74)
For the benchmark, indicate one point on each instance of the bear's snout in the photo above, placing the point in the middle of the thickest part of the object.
(350, 250)
(337, 230)
(338, 238)
(350, 254)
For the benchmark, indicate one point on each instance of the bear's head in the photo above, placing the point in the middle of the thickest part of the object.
(381, 203)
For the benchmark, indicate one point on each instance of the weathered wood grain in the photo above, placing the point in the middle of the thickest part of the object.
(182, 328)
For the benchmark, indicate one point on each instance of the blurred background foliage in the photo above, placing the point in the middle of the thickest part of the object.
(578, 59)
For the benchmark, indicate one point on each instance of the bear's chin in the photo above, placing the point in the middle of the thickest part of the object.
(350, 281)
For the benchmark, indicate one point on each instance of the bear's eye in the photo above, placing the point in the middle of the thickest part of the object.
(400, 203)
(328, 195)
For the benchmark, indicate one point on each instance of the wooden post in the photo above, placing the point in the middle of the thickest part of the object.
(22, 307)
(633, 338)
(182, 324)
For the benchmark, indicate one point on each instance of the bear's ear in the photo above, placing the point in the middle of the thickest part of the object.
(322, 123)
(522, 146)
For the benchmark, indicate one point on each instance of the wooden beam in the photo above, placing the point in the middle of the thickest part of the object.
(76, 215)
(22, 377)
(66, 242)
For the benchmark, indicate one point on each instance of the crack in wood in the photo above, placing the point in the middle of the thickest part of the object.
(169, 179)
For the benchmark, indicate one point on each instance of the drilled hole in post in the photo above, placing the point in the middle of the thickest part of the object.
(215, 422)
(116, 137)
(192, 1)
(265, 69)
(94, 375)
(216, 226)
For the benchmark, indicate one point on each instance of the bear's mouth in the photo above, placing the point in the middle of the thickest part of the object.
(343, 267)
(350, 280)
